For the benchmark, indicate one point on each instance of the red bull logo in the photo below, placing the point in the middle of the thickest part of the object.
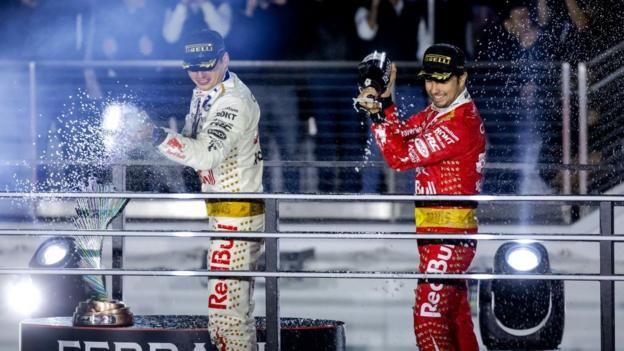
(430, 308)
(175, 143)
(220, 260)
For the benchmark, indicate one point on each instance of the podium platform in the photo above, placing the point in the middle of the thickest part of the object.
(171, 333)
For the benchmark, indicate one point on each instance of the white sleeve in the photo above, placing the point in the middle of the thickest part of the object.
(364, 30)
(223, 128)
(218, 19)
(174, 21)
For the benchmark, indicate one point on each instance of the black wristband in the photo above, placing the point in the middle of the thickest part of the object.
(385, 102)
(380, 116)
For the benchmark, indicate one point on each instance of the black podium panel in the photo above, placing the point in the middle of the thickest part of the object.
(170, 333)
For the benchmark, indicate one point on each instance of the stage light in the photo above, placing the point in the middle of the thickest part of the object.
(62, 293)
(523, 258)
(53, 252)
(23, 297)
(521, 314)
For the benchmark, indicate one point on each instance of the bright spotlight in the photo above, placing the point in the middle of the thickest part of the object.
(519, 314)
(23, 297)
(523, 258)
(65, 290)
(53, 252)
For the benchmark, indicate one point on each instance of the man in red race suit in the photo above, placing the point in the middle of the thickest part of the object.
(445, 143)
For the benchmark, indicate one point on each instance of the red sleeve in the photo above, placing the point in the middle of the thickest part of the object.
(405, 146)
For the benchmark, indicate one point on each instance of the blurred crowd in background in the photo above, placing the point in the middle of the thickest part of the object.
(568, 30)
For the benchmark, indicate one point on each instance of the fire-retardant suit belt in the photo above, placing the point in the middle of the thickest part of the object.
(438, 220)
(218, 208)
(455, 218)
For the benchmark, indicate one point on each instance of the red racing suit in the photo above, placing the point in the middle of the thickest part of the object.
(447, 148)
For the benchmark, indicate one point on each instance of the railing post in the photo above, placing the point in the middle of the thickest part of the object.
(271, 251)
(607, 291)
(565, 138)
(32, 100)
(565, 133)
(119, 182)
(32, 104)
(582, 120)
(431, 19)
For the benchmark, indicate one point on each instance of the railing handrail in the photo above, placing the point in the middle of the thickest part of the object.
(309, 274)
(321, 197)
(604, 55)
(319, 164)
(313, 235)
(606, 80)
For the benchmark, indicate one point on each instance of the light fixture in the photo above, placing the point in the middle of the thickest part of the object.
(523, 258)
(60, 294)
(518, 314)
(53, 252)
(23, 297)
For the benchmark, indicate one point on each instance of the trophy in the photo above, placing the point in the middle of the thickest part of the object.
(97, 213)
(374, 71)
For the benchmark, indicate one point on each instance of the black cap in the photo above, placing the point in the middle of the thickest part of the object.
(203, 50)
(441, 61)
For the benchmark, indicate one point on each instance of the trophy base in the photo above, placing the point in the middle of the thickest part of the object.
(96, 313)
(103, 320)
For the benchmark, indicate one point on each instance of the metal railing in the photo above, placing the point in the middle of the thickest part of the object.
(600, 99)
(606, 238)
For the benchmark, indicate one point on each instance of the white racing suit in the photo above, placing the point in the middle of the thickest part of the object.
(220, 141)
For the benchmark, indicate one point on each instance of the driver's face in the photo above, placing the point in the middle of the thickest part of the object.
(442, 94)
(206, 80)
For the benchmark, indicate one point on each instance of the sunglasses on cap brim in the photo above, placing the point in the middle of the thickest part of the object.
(203, 66)
(435, 76)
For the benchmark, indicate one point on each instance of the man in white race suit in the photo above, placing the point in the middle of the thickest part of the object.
(220, 141)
